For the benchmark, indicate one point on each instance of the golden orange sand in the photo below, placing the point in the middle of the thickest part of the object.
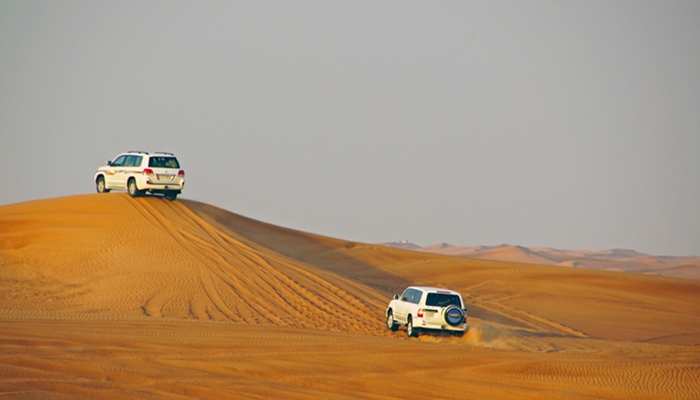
(105, 296)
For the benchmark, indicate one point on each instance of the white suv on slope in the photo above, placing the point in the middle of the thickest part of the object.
(427, 308)
(139, 172)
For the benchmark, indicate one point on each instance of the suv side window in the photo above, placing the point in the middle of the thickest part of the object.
(417, 294)
(119, 162)
(406, 296)
(133, 161)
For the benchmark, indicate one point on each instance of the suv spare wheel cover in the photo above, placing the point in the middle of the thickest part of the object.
(453, 316)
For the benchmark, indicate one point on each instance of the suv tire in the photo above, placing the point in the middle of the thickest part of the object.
(390, 324)
(171, 196)
(133, 189)
(101, 186)
(410, 330)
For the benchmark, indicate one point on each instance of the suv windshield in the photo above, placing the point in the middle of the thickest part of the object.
(163, 162)
(442, 300)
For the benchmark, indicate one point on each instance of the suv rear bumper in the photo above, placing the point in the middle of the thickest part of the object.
(163, 191)
(422, 324)
(156, 187)
(143, 183)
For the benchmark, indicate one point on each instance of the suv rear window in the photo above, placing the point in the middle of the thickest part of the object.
(442, 300)
(163, 162)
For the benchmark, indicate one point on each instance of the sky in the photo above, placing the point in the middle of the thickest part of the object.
(571, 125)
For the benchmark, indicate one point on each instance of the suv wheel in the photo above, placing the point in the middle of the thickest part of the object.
(410, 330)
(390, 324)
(171, 196)
(133, 189)
(101, 187)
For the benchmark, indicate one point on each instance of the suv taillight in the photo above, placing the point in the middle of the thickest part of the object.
(148, 171)
(420, 313)
(181, 173)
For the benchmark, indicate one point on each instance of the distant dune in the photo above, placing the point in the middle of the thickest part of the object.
(607, 260)
(106, 296)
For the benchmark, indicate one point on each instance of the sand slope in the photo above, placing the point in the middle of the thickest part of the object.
(114, 254)
(105, 296)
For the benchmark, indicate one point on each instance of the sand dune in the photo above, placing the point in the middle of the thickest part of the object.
(607, 260)
(156, 258)
(105, 296)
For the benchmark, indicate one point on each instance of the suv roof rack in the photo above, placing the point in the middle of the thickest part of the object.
(164, 152)
(138, 151)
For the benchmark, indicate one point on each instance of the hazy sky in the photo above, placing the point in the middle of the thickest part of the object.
(571, 125)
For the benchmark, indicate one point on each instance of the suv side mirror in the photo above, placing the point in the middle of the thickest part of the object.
(109, 162)
(396, 297)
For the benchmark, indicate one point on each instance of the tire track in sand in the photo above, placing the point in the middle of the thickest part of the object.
(268, 272)
(208, 264)
(243, 284)
(320, 293)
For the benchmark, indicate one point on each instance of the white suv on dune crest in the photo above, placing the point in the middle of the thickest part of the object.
(140, 172)
(427, 308)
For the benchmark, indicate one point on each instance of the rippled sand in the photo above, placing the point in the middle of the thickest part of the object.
(105, 296)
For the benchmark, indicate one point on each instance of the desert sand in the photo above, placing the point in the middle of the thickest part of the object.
(105, 296)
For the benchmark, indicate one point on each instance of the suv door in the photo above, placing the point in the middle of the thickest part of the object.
(115, 175)
(414, 302)
(132, 166)
(401, 308)
(437, 303)
(165, 169)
